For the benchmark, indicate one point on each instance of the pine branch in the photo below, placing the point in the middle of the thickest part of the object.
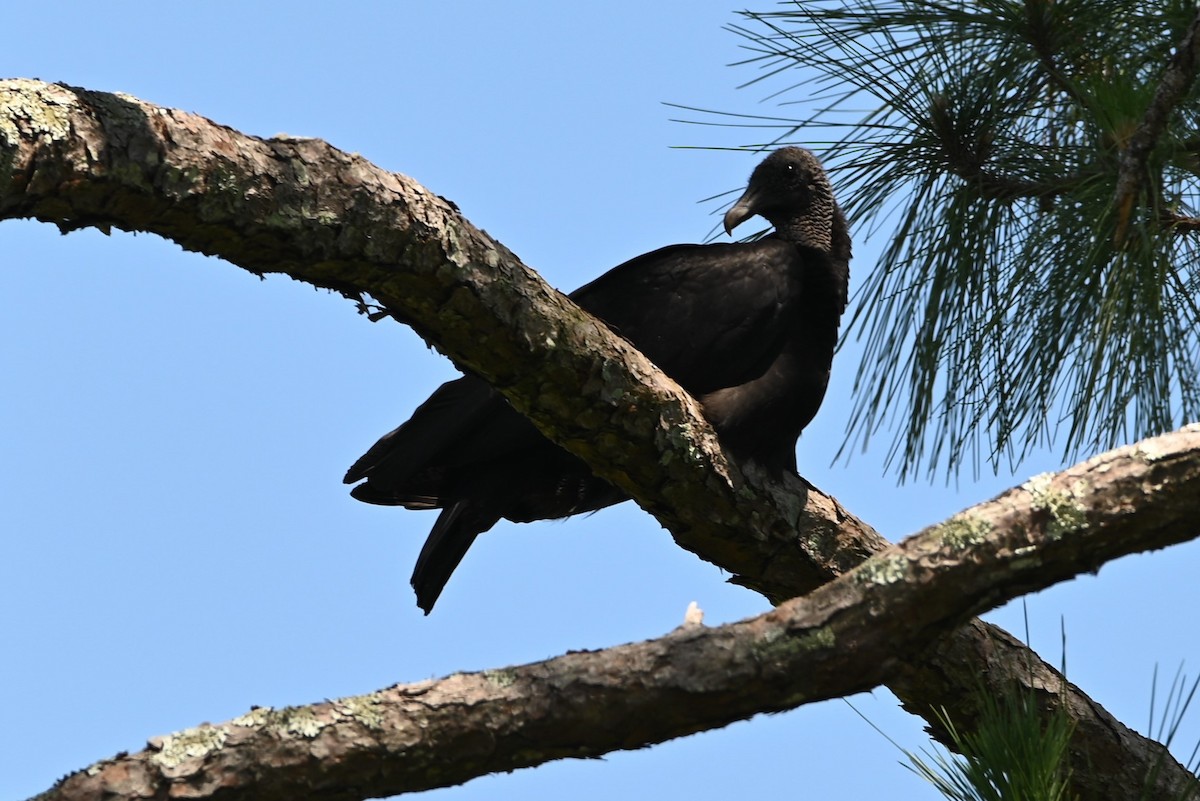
(1176, 81)
(1181, 222)
(1037, 160)
(79, 158)
(847, 636)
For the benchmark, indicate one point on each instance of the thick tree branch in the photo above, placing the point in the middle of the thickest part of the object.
(845, 637)
(300, 207)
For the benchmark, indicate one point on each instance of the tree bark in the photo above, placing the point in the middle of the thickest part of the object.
(298, 206)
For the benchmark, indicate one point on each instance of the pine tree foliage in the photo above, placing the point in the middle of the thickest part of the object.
(1174, 709)
(1014, 754)
(1038, 163)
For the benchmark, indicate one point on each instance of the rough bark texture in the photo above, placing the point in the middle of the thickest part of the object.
(80, 158)
(844, 637)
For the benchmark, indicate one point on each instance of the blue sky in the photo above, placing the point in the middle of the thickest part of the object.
(175, 541)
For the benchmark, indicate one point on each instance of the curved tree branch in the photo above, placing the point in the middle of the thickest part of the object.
(298, 206)
(303, 208)
(845, 637)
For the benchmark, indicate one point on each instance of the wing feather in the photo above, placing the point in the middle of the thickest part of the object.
(710, 316)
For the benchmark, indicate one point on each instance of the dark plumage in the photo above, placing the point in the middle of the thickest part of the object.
(748, 329)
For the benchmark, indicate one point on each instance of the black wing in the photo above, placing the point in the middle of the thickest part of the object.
(710, 316)
(463, 422)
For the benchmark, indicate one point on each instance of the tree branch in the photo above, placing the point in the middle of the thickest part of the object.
(845, 637)
(303, 208)
(79, 158)
(1176, 81)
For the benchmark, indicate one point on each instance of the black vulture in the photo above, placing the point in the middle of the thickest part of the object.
(748, 329)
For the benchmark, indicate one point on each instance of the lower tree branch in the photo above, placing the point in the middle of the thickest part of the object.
(80, 158)
(845, 637)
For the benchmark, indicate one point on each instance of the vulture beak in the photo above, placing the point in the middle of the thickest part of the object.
(745, 208)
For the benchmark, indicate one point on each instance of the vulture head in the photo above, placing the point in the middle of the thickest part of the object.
(790, 190)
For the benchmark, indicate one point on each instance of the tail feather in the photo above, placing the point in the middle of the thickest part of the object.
(370, 493)
(438, 428)
(455, 530)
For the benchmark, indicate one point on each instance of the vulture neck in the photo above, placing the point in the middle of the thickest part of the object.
(813, 228)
